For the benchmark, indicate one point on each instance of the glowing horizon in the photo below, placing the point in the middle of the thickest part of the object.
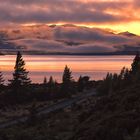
(129, 27)
(40, 66)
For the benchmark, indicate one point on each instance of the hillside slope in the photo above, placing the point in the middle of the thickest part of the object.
(114, 117)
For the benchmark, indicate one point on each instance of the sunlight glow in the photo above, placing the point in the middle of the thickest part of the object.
(132, 27)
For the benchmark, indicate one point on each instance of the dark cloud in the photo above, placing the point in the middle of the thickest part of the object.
(40, 45)
(54, 46)
(70, 11)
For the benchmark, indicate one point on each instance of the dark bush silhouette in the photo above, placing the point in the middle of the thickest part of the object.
(83, 82)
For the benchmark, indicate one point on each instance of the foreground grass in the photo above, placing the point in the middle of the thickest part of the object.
(114, 117)
(111, 117)
(58, 125)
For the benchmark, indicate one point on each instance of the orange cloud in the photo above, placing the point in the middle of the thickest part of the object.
(114, 14)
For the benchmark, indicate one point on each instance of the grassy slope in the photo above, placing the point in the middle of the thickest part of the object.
(114, 117)
(59, 125)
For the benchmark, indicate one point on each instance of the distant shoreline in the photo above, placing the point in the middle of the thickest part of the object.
(70, 54)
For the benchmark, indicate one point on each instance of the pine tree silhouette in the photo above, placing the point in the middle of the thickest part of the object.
(67, 78)
(20, 75)
(67, 81)
(80, 84)
(45, 81)
(136, 64)
(51, 81)
(51, 86)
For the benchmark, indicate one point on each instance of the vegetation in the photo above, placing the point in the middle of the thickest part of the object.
(67, 82)
(45, 81)
(113, 117)
(135, 65)
(20, 75)
(114, 82)
(20, 89)
(114, 114)
(83, 82)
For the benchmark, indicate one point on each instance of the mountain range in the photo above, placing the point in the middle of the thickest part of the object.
(67, 39)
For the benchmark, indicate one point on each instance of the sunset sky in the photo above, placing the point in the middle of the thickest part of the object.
(118, 15)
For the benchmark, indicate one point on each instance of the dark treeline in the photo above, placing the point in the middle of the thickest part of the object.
(20, 88)
(115, 114)
(125, 78)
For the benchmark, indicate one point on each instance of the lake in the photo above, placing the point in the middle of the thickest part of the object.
(53, 65)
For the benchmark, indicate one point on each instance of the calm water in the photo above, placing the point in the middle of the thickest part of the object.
(39, 66)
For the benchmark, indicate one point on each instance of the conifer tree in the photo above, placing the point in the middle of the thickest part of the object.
(67, 76)
(106, 86)
(135, 66)
(51, 85)
(67, 81)
(45, 81)
(80, 84)
(51, 81)
(20, 75)
(127, 78)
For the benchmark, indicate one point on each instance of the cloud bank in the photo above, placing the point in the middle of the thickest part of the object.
(15, 12)
(72, 39)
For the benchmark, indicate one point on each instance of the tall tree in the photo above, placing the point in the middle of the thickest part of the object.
(51, 81)
(135, 66)
(67, 76)
(20, 75)
(45, 81)
(51, 87)
(67, 86)
(80, 84)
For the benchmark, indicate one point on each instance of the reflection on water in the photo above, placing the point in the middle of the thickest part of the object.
(40, 66)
